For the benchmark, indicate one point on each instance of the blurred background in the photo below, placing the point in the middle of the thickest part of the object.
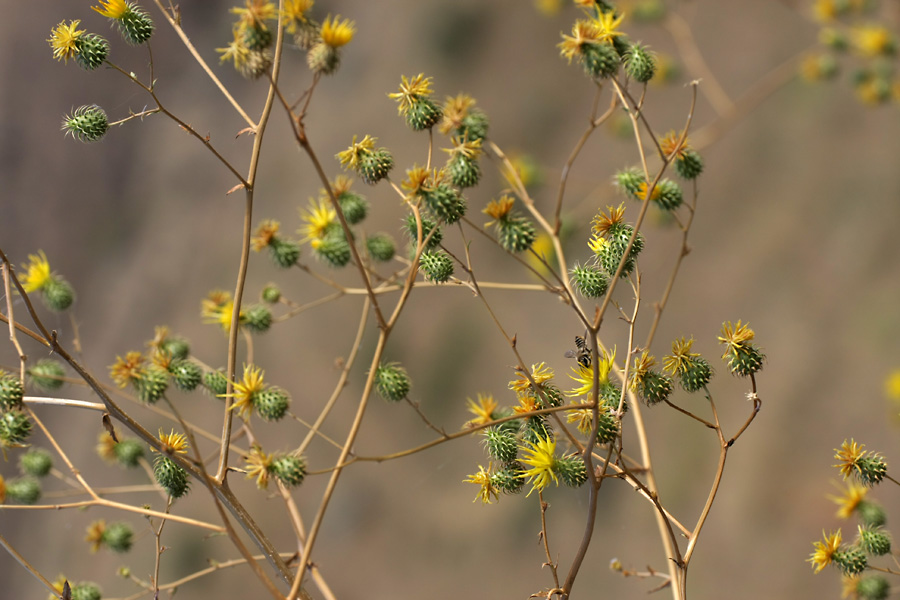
(796, 232)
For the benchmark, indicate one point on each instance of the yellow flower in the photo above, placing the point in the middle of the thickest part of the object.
(670, 144)
(455, 110)
(735, 337)
(258, 464)
(539, 373)
(499, 208)
(583, 32)
(218, 310)
(95, 534)
(337, 34)
(351, 156)
(540, 456)
(410, 91)
(106, 447)
(246, 390)
(265, 234)
(237, 51)
(585, 375)
(642, 191)
(128, 369)
(583, 416)
(114, 9)
(542, 247)
(849, 585)
(318, 219)
(825, 10)
(294, 13)
(681, 356)
(254, 12)
(603, 222)
(483, 410)
(824, 552)
(64, 40)
(527, 404)
(849, 454)
(38, 272)
(872, 40)
(419, 179)
(606, 26)
(854, 495)
(483, 478)
(173, 443)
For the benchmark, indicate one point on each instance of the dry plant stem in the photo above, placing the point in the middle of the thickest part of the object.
(159, 550)
(546, 541)
(4, 268)
(249, 184)
(187, 43)
(26, 565)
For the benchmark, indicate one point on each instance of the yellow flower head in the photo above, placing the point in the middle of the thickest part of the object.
(236, 51)
(483, 410)
(419, 179)
(499, 208)
(128, 369)
(318, 219)
(255, 12)
(583, 416)
(173, 443)
(673, 145)
(246, 390)
(640, 368)
(265, 234)
(341, 185)
(681, 356)
(854, 495)
(217, 309)
(64, 40)
(483, 479)
(644, 187)
(603, 222)
(540, 456)
(607, 26)
(850, 454)
(455, 110)
(542, 247)
(411, 90)
(539, 373)
(106, 447)
(294, 13)
(470, 149)
(352, 155)
(824, 552)
(584, 32)
(258, 465)
(337, 34)
(113, 9)
(735, 337)
(95, 533)
(584, 376)
(527, 404)
(37, 272)
(872, 40)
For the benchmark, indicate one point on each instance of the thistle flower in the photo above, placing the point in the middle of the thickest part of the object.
(319, 219)
(483, 479)
(64, 40)
(247, 390)
(584, 375)
(484, 410)
(415, 102)
(134, 24)
(692, 370)
(324, 55)
(539, 373)
(371, 164)
(540, 456)
(258, 464)
(825, 551)
(336, 33)
(869, 467)
(743, 357)
(172, 443)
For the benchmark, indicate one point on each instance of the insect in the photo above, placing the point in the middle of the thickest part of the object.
(582, 354)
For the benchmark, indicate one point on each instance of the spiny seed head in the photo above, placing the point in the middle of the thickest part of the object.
(437, 265)
(392, 382)
(86, 123)
(36, 462)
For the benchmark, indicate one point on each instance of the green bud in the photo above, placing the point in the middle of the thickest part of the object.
(290, 469)
(392, 382)
(87, 123)
(186, 374)
(46, 375)
(57, 294)
(36, 462)
(216, 383)
(444, 202)
(92, 51)
(272, 403)
(437, 265)
(259, 318)
(25, 490)
(501, 444)
(381, 247)
(590, 281)
(129, 452)
(118, 537)
(572, 470)
(172, 478)
(11, 391)
(15, 427)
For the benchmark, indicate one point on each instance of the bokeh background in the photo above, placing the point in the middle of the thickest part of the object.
(796, 233)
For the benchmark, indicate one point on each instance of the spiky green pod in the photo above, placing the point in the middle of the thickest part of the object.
(136, 26)
(515, 234)
(36, 462)
(590, 281)
(744, 360)
(622, 44)
(509, 478)
(91, 51)
(322, 58)
(874, 541)
(610, 394)
(86, 590)
(381, 247)
(501, 444)
(392, 382)
(354, 207)
(57, 294)
(172, 478)
(334, 250)
(25, 490)
(46, 374)
(571, 470)
(640, 63)
(290, 469)
(654, 387)
(609, 427)
(152, 384)
(129, 452)
(258, 36)
(510, 427)
(444, 202)
(613, 249)
(850, 560)
(307, 34)
(437, 265)
(873, 588)
(695, 374)
(536, 429)
(600, 59)
(689, 165)
(257, 64)
(630, 181)
(668, 195)
(176, 347)
(259, 318)
(871, 513)
(464, 172)
(186, 374)
(270, 294)
(474, 126)
(87, 123)
(427, 226)
(423, 113)
(216, 383)
(15, 427)
(272, 403)
(552, 394)
(871, 469)
(118, 537)
(11, 391)
(375, 165)
(284, 253)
